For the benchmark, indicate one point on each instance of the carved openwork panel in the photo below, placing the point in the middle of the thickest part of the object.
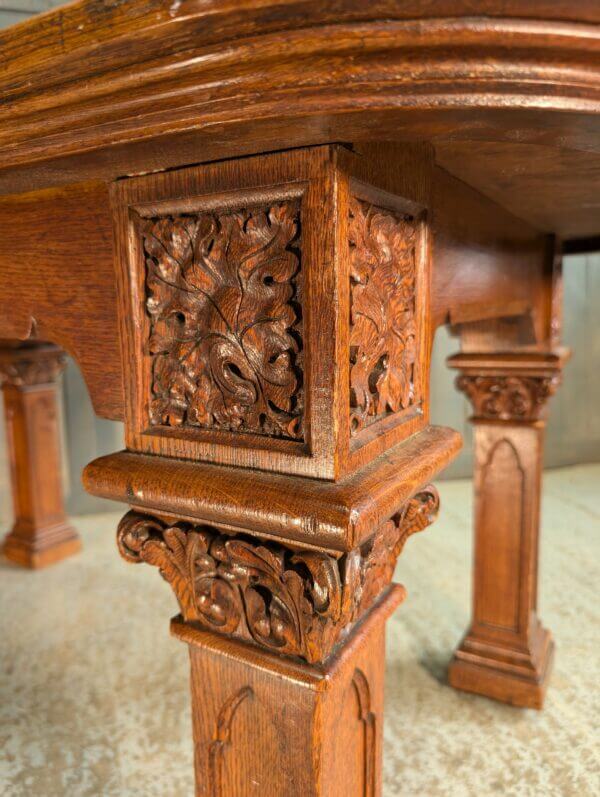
(383, 313)
(297, 602)
(223, 297)
(508, 398)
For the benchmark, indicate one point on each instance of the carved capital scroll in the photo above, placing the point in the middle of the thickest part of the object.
(508, 398)
(383, 313)
(296, 602)
(27, 365)
(509, 387)
(223, 297)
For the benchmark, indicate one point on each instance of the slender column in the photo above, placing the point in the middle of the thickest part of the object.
(276, 318)
(41, 534)
(507, 654)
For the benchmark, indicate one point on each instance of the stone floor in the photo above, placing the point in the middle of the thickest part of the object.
(94, 692)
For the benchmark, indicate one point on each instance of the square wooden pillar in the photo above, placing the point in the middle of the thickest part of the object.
(319, 728)
(41, 534)
(507, 654)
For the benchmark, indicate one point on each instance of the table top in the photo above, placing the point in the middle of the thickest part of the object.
(509, 97)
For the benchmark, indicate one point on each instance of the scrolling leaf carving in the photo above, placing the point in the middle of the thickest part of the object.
(299, 603)
(28, 367)
(383, 325)
(224, 301)
(508, 398)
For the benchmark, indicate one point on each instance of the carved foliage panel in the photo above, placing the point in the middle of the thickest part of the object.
(384, 321)
(223, 298)
(271, 313)
(299, 603)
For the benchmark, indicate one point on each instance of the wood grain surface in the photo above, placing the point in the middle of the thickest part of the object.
(99, 90)
(336, 516)
(245, 222)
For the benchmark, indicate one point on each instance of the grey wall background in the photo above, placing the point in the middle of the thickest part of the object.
(12, 11)
(573, 434)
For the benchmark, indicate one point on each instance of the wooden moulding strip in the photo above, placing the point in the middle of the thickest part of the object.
(525, 363)
(309, 512)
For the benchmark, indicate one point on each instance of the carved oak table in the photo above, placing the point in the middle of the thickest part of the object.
(245, 222)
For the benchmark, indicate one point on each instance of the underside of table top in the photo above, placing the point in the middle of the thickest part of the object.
(510, 98)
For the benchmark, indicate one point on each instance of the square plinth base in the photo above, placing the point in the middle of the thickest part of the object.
(483, 678)
(42, 547)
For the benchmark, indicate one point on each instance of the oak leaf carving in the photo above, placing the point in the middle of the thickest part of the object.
(508, 397)
(223, 296)
(383, 327)
(298, 603)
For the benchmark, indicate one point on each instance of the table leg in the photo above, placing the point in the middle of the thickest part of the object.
(261, 720)
(287, 650)
(506, 654)
(41, 534)
(275, 311)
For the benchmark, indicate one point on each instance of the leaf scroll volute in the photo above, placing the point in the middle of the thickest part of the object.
(417, 515)
(171, 549)
(298, 603)
(218, 600)
(273, 595)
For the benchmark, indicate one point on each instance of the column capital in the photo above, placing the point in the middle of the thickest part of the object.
(30, 364)
(293, 601)
(513, 386)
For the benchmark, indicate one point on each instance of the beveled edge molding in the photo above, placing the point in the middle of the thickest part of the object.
(30, 365)
(37, 547)
(509, 386)
(291, 601)
(517, 677)
(338, 516)
(122, 76)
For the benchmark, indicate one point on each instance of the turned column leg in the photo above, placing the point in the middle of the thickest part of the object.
(41, 534)
(506, 654)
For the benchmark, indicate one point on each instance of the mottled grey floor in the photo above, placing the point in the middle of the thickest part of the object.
(94, 692)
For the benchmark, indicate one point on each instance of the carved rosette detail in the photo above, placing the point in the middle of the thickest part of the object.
(383, 323)
(223, 293)
(20, 369)
(508, 398)
(299, 603)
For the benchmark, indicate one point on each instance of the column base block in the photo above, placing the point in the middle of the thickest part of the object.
(513, 677)
(38, 548)
(270, 725)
